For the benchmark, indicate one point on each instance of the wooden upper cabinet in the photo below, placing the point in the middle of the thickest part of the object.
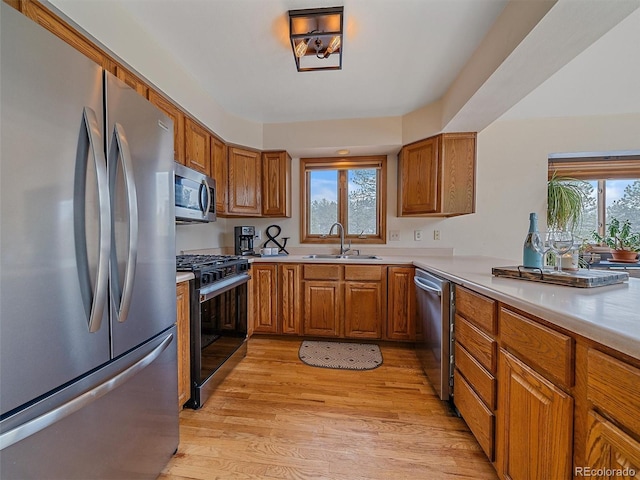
(43, 17)
(245, 182)
(197, 148)
(175, 114)
(219, 171)
(132, 80)
(276, 184)
(436, 176)
(417, 178)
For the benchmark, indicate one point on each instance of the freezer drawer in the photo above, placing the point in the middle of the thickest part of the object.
(128, 432)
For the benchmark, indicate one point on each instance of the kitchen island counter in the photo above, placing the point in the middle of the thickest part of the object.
(609, 315)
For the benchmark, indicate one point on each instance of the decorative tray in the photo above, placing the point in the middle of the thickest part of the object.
(582, 278)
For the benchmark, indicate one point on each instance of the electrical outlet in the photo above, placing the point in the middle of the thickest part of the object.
(417, 235)
(436, 234)
(394, 235)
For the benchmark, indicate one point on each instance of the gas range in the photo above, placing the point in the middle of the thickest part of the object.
(209, 269)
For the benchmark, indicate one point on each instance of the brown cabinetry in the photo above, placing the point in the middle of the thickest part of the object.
(535, 424)
(475, 353)
(183, 341)
(612, 421)
(276, 184)
(197, 147)
(344, 301)
(265, 292)
(401, 304)
(175, 114)
(38, 13)
(436, 176)
(245, 182)
(132, 80)
(219, 171)
(364, 301)
(276, 298)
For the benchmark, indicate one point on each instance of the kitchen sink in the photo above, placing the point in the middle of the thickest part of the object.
(346, 257)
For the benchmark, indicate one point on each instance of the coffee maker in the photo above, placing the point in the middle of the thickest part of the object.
(244, 240)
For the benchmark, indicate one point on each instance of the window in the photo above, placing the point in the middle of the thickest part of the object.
(611, 186)
(347, 190)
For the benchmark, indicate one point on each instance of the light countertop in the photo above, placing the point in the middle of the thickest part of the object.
(184, 277)
(609, 315)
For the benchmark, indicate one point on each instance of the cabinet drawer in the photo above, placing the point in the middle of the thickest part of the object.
(480, 380)
(551, 352)
(321, 272)
(480, 345)
(479, 418)
(614, 386)
(362, 272)
(479, 310)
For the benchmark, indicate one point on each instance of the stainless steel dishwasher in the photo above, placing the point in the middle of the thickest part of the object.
(435, 298)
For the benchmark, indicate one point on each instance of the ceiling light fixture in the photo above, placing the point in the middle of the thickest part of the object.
(316, 38)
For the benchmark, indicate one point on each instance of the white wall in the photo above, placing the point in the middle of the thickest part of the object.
(512, 175)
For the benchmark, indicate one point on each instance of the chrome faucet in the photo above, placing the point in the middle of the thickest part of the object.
(342, 249)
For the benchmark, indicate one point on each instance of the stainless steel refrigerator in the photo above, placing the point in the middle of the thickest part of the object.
(88, 383)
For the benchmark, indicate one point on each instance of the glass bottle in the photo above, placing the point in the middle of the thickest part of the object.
(530, 257)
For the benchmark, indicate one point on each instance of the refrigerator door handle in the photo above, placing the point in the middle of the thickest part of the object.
(122, 146)
(43, 421)
(94, 300)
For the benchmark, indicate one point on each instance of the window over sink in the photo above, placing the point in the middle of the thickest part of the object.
(349, 190)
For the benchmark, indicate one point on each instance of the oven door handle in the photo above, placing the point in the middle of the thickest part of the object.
(210, 291)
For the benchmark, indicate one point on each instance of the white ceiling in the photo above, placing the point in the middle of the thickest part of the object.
(602, 80)
(475, 59)
(398, 55)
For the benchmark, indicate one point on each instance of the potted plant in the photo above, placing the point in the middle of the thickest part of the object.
(565, 197)
(624, 243)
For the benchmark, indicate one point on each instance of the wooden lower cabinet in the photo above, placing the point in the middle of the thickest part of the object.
(534, 435)
(610, 449)
(401, 304)
(611, 417)
(364, 301)
(319, 300)
(290, 313)
(344, 301)
(322, 308)
(276, 298)
(265, 294)
(183, 343)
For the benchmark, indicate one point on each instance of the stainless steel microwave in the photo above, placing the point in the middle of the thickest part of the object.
(195, 196)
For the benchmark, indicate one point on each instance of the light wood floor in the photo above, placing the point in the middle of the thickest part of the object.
(277, 418)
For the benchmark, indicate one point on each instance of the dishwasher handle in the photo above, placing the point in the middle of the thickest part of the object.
(425, 284)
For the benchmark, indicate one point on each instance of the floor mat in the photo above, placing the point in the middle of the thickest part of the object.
(341, 355)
